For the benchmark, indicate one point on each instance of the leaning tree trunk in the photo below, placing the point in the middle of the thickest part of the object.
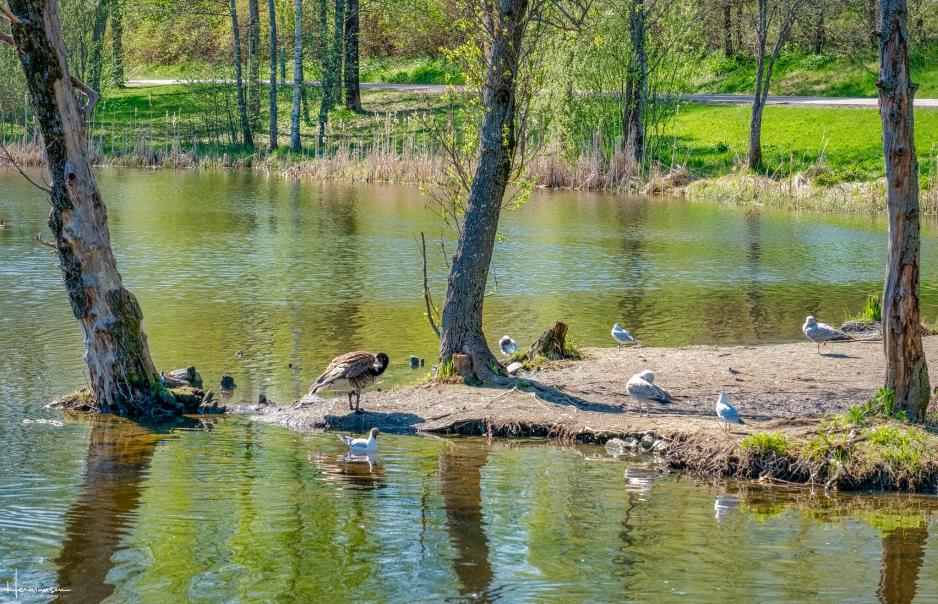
(254, 63)
(754, 158)
(353, 95)
(295, 144)
(272, 12)
(117, 43)
(906, 371)
(461, 324)
(123, 377)
(97, 44)
(246, 137)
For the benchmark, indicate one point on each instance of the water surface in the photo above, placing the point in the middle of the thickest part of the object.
(295, 273)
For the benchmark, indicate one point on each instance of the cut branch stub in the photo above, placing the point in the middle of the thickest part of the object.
(551, 343)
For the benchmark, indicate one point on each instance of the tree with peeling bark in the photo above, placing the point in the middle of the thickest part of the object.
(906, 370)
(123, 377)
(782, 13)
(295, 143)
(272, 14)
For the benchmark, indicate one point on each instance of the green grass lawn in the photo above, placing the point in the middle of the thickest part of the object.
(812, 75)
(708, 140)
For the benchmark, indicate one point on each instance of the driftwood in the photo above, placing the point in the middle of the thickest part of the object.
(551, 344)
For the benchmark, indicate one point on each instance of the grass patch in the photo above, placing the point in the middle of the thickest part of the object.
(765, 443)
(881, 406)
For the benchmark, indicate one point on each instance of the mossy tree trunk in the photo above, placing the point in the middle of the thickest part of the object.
(906, 370)
(353, 95)
(246, 138)
(117, 43)
(97, 43)
(119, 365)
(295, 143)
(272, 13)
(461, 326)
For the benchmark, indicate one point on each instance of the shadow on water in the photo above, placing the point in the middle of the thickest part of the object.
(461, 477)
(116, 465)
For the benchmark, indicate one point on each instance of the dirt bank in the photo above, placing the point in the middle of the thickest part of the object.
(786, 389)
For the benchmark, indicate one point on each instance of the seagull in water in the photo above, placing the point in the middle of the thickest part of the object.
(362, 446)
(821, 333)
(727, 412)
(641, 387)
(507, 346)
(621, 336)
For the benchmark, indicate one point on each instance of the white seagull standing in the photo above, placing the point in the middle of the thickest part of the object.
(507, 346)
(362, 446)
(727, 412)
(641, 387)
(821, 332)
(621, 336)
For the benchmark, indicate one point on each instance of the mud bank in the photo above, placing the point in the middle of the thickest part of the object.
(786, 390)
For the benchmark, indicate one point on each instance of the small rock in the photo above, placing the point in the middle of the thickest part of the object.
(732, 370)
(660, 446)
(631, 442)
(262, 400)
(514, 368)
(227, 383)
(422, 360)
(414, 362)
(648, 441)
(615, 447)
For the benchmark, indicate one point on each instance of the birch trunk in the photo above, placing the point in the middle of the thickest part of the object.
(295, 144)
(272, 13)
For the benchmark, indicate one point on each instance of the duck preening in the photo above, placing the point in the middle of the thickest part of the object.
(821, 333)
(507, 346)
(621, 336)
(642, 388)
(354, 371)
(362, 446)
(727, 412)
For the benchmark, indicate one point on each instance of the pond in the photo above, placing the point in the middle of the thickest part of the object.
(293, 274)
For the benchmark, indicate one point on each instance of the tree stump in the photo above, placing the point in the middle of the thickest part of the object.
(551, 343)
(462, 366)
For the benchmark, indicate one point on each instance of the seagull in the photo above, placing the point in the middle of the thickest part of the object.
(507, 346)
(727, 412)
(621, 336)
(355, 371)
(641, 387)
(362, 446)
(821, 332)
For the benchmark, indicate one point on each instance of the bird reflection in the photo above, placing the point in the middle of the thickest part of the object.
(640, 479)
(361, 472)
(723, 505)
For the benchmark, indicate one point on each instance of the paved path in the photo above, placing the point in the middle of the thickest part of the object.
(707, 99)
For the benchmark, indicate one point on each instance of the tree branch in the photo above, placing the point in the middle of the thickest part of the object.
(13, 163)
(7, 39)
(7, 15)
(426, 287)
(92, 95)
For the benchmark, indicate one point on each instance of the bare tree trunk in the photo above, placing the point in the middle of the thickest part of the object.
(254, 64)
(872, 7)
(97, 44)
(728, 28)
(123, 377)
(906, 371)
(461, 324)
(272, 14)
(338, 46)
(117, 43)
(283, 51)
(637, 85)
(325, 60)
(820, 26)
(353, 96)
(739, 26)
(787, 10)
(295, 144)
(246, 137)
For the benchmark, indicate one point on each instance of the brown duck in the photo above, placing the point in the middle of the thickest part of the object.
(354, 371)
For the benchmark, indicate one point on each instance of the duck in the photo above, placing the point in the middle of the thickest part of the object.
(355, 371)
(4, 225)
(821, 333)
(641, 387)
(507, 346)
(727, 412)
(362, 446)
(621, 336)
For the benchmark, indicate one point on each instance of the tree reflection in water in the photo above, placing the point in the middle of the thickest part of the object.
(903, 554)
